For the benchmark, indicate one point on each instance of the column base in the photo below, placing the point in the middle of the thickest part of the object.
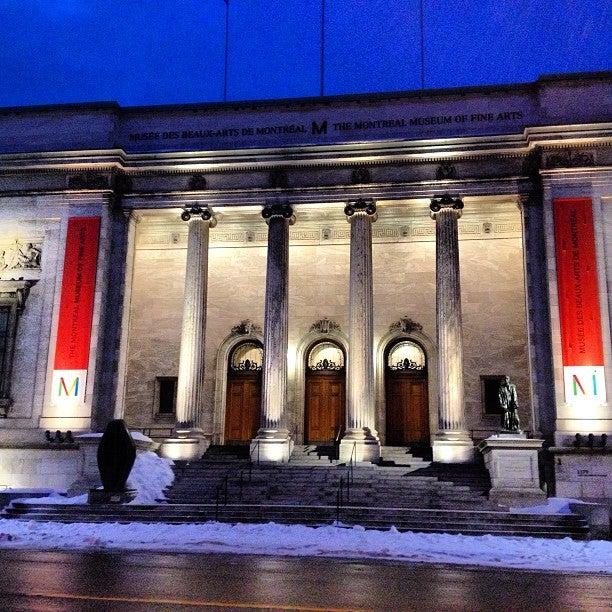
(186, 445)
(361, 446)
(271, 446)
(447, 449)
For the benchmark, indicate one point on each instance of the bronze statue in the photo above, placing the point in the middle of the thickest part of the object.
(508, 401)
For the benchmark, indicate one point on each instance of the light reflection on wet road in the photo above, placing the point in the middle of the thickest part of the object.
(152, 581)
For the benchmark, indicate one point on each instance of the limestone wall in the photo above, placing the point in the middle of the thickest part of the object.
(29, 367)
(404, 285)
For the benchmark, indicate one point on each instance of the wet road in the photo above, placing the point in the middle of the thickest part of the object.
(151, 581)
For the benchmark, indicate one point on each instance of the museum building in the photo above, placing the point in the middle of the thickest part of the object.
(358, 269)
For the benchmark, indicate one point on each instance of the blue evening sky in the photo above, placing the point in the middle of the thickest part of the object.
(171, 51)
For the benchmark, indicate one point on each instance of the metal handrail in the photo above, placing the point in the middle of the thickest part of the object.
(255, 446)
(222, 487)
(337, 439)
(339, 498)
(352, 462)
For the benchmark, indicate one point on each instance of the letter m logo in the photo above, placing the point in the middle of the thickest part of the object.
(319, 128)
(70, 389)
(584, 383)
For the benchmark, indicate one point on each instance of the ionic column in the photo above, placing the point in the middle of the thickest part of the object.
(361, 439)
(188, 443)
(452, 443)
(273, 442)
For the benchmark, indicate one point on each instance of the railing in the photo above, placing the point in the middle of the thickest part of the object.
(337, 439)
(253, 448)
(222, 489)
(242, 479)
(343, 493)
(351, 464)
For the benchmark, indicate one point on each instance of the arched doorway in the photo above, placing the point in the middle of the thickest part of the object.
(243, 398)
(407, 405)
(325, 392)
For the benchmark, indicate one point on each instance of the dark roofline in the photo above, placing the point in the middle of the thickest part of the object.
(313, 100)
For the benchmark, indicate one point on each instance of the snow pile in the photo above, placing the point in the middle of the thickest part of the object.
(137, 436)
(331, 541)
(150, 476)
(56, 498)
(553, 505)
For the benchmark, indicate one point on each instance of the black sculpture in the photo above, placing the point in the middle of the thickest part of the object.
(116, 456)
(508, 401)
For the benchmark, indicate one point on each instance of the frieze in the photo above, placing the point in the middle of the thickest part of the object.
(20, 260)
(162, 238)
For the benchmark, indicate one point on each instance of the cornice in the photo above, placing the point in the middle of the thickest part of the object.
(375, 153)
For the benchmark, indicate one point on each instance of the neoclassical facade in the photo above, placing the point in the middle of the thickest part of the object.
(361, 269)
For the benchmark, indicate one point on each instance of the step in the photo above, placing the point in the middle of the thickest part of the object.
(472, 522)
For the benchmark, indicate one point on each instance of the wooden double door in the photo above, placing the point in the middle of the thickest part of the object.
(243, 406)
(325, 405)
(407, 408)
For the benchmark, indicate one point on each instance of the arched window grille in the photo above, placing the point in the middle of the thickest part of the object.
(406, 355)
(325, 356)
(247, 357)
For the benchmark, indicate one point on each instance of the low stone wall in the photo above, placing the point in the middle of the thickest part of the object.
(55, 468)
(583, 473)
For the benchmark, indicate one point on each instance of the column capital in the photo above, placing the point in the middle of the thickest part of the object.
(283, 210)
(205, 212)
(361, 207)
(445, 202)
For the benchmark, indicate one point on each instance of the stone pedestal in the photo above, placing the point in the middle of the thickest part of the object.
(452, 443)
(273, 442)
(100, 496)
(512, 462)
(361, 439)
(272, 449)
(185, 445)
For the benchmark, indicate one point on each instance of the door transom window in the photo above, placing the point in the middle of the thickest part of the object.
(325, 356)
(406, 355)
(247, 357)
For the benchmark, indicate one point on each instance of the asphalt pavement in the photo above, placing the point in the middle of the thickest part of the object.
(31, 580)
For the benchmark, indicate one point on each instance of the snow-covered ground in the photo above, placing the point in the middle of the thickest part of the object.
(297, 540)
(151, 475)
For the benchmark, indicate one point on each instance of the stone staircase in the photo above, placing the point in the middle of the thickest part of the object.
(315, 489)
(306, 485)
(466, 522)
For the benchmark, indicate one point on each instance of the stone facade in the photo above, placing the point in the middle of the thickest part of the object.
(507, 153)
(404, 283)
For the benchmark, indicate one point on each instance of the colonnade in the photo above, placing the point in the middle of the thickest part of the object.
(361, 442)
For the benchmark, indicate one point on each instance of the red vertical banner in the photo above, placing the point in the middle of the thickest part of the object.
(578, 291)
(76, 309)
